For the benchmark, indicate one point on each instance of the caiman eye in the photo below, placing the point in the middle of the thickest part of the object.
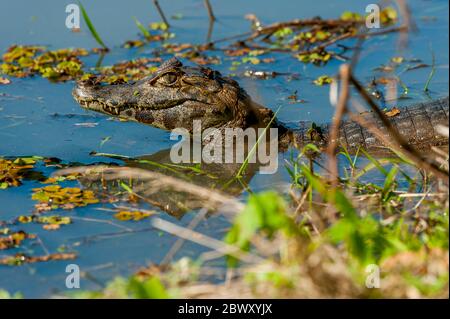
(168, 79)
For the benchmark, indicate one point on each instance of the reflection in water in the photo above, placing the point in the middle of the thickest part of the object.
(28, 125)
(218, 177)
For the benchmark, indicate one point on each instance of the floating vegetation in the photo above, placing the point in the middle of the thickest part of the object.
(317, 58)
(132, 215)
(48, 220)
(126, 71)
(161, 26)
(13, 239)
(21, 259)
(160, 32)
(12, 172)
(15, 169)
(320, 230)
(307, 40)
(55, 196)
(59, 179)
(323, 79)
(133, 44)
(58, 65)
(293, 98)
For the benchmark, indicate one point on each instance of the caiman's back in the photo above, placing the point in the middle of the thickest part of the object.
(417, 124)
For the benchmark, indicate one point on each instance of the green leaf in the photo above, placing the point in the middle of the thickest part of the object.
(159, 26)
(264, 212)
(126, 187)
(283, 32)
(151, 288)
(251, 60)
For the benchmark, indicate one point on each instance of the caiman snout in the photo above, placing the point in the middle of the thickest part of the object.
(84, 91)
(98, 98)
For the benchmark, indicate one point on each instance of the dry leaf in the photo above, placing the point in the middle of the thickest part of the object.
(4, 80)
(51, 227)
(393, 112)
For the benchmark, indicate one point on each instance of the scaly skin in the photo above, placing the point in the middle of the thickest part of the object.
(416, 123)
(176, 95)
(172, 97)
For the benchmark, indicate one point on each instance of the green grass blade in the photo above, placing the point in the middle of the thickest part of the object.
(433, 69)
(253, 149)
(375, 162)
(126, 187)
(91, 27)
(142, 28)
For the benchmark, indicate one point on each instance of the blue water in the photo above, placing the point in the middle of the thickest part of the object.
(28, 125)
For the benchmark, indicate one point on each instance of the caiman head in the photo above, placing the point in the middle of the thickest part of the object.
(173, 97)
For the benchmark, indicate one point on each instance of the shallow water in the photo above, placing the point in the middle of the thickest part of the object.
(34, 115)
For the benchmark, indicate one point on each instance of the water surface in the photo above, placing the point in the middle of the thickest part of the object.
(39, 118)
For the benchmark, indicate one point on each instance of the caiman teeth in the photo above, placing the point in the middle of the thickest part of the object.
(107, 106)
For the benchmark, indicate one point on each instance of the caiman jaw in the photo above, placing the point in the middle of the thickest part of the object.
(92, 97)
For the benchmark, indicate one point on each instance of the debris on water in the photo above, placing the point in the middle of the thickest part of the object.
(87, 124)
(256, 23)
(20, 258)
(317, 58)
(14, 239)
(132, 215)
(4, 81)
(133, 44)
(260, 74)
(13, 171)
(55, 196)
(417, 66)
(393, 112)
(237, 51)
(58, 65)
(293, 99)
(398, 59)
(47, 220)
(177, 16)
(322, 80)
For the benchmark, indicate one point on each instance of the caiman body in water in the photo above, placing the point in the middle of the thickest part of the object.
(176, 95)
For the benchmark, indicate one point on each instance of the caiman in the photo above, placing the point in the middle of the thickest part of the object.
(176, 95)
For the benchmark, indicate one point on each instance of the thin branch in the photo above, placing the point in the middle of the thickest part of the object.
(395, 140)
(210, 31)
(161, 13)
(208, 6)
(297, 23)
(206, 241)
(408, 22)
(341, 108)
(179, 243)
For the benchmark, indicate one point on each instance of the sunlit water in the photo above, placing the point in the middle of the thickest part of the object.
(34, 121)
